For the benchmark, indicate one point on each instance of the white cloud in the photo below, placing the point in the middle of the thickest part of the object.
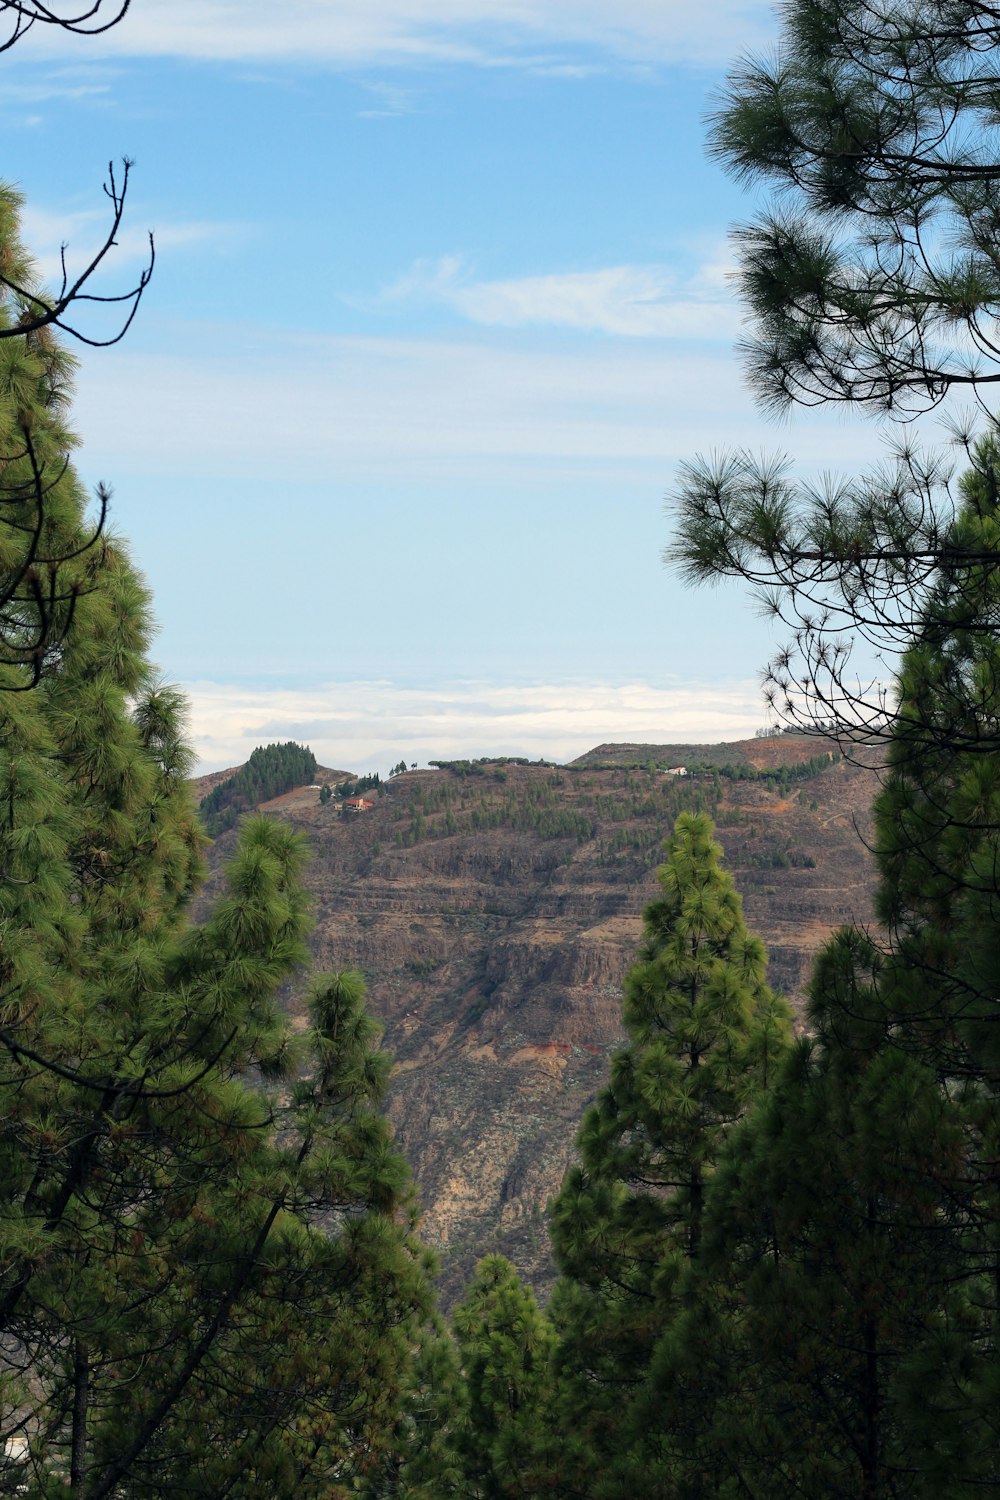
(627, 301)
(361, 726)
(532, 33)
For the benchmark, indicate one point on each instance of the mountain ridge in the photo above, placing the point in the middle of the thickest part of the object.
(494, 915)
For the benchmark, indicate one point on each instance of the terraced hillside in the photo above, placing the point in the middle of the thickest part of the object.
(494, 909)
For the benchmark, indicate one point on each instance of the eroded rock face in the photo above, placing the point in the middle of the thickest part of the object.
(494, 917)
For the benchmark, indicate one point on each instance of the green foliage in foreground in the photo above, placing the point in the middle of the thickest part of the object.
(208, 1280)
(270, 771)
(779, 1264)
(853, 1233)
(175, 1315)
(478, 1428)
(706, 1035)
(869, 270)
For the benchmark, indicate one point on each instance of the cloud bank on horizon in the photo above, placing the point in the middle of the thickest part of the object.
(362, 726)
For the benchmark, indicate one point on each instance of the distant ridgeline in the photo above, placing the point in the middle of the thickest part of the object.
(487, 763)
(271, 770)
(782, 776)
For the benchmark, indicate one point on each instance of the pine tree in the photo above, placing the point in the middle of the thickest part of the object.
(425, 1462)
(44, 548)
(828, 1272)
(208, 1275)
(873, 278)
(505, 1346)
(479, 1417)
(706, 1035)
(938, 814)
(854, 1223)
(852, 1231)
(938, 850)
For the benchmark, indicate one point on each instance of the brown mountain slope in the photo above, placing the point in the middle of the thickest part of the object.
(495, 914)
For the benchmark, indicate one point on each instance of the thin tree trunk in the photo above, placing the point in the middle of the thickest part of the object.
(870, 1456)
(696, 1186)
(81, 1401)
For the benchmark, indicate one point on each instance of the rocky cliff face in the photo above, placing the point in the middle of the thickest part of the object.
(495, 914)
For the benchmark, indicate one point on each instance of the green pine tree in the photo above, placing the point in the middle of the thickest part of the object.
(505, 1346)
(208, 1277)
(479, 1417)
(706, 1036)
(45, 550)
(853, 1225)
(871, 274)
(827, 1280)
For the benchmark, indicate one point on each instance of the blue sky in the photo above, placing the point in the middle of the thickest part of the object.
(441, 301)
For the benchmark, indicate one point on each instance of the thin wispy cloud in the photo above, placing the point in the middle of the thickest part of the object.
(64, 84)
(626, 301)
(402, 411)
(359, 726)
(388, 102)
(530, 33)
(83, 231)
(27, 102)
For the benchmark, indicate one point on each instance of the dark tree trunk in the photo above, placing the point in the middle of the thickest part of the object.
(81, 1399)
